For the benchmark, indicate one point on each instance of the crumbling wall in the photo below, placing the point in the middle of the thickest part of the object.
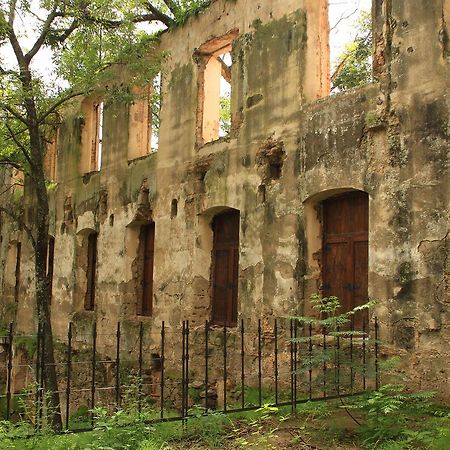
(287, 151)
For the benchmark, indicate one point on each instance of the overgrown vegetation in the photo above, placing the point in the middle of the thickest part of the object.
(412, 425)
(389, 418)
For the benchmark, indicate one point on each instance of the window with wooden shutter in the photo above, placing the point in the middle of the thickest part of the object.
(225, 268)
(345, 250)
(50, 263)
(89, 301)
(147, 245)
(17, 272)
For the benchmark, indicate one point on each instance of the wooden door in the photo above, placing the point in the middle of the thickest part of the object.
(225, 268)
(145, 305)
(50, 264)
(345, 250)
(89, 301)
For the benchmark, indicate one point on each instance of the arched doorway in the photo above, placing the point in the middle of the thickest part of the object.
(345, 249)
(225, 268)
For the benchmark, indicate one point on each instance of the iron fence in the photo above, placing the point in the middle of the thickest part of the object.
(175, 371)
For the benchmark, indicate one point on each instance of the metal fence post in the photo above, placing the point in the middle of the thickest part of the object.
(186, 397)
(352, 329)
(9, 374)
(242, 365)
(324, 368)
(364, 355)
(310, 348)
(38, 376)
(163, 335)
(206, 364)
(377, 372)
(183, 368)
(69, 373)
(141, 339)
(42, 370)
(291, 348)
(94, 363)
(295, 362)
(225, 375)
(275, 335)
(259, 365)
(117, 388)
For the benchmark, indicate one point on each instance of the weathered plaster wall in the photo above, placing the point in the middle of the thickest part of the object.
(389, 139)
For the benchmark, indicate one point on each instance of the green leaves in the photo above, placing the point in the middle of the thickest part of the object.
(354, 66)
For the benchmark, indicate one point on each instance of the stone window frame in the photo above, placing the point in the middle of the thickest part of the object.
(51, 156)
(203, 56)
(81, 260)
(140, 115)
(93, 110)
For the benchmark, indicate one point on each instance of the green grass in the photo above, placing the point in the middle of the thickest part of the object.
(324, 425)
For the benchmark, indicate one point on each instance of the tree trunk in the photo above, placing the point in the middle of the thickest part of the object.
(42, 282)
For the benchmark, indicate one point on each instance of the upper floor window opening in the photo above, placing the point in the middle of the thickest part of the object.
(144, 119)
(350, 34)
(155, 108)
(51, 155)
(97, 142)
(215, 87)
(92, 135)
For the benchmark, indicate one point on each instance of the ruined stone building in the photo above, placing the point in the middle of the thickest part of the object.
(305, 192)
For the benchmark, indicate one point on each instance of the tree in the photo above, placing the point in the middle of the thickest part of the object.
(86, 36)
(354, 67)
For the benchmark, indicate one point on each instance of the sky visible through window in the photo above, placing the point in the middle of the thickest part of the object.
(342, 17)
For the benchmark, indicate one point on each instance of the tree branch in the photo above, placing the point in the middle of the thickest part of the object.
(14, 113)
(20, 222)
(41, 39)
(172, 6)
(164, 18)
(136, 19)
(7, 162)
(10, 187)
(60, 102)
(68, 31)
(225, 70)
(12, 35)
(18, 143)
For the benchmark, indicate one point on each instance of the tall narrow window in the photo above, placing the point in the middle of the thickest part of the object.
(215, 86)
(345, 249)
(50, 263)
(51, 157)
(147, 245)
(144, 117)
(225, 268)
(350, 43)
(17, 272)
(91, 270)
(97, 138)
(155, 112)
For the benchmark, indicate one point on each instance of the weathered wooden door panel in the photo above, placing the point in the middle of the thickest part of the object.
(345, 250)
(148, 236)
(89, 302)
(225, 268)
(336, 275)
